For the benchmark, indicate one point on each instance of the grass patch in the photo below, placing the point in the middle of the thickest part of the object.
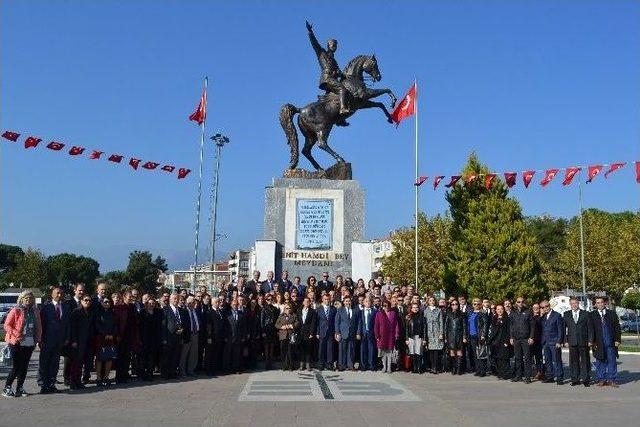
(631, 348)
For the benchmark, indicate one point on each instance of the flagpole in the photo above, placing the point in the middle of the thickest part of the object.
(417, 187)
(197, 242)
(584, 275)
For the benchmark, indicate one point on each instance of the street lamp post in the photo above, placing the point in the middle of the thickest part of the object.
(220, 141)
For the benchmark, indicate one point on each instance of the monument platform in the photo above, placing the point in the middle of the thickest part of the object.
(309, 226)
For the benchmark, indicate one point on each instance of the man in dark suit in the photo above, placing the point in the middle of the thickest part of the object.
(522, 328)
(368, 340)
(285, 283)
(55, 334)
(172, 330)
(302, 289)
(325, 332)
(308, 323)
(72, 303)
(346, 326)
(96, 307)
(578, 331)
(552, 339)
(236, 336)
(254, 285)
(268, 285)
(324, 284)
(216, 321)
(605, 342)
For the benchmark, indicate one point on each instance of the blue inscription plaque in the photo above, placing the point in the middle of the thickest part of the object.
(314, 224)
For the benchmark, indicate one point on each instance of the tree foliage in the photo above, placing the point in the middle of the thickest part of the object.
(143, 270)
(31, 271)
(67, 269)
(434, 239)
(9, 257)
(612, 253)
(631, 300)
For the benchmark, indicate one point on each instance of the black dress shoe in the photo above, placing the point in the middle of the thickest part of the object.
(527, 380)
(575, 383)
(560, 382)
(548, 380)
(586, 383)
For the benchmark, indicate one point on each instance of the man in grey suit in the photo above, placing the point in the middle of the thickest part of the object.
(346, 328)
(577, 338)
(55, 334)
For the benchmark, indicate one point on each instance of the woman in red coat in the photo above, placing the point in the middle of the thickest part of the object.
(387, 331)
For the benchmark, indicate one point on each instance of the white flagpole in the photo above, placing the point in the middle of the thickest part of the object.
(417, 188)
(195, 262)
(583, 268)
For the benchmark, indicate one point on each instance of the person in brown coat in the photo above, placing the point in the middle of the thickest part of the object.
(287, 325)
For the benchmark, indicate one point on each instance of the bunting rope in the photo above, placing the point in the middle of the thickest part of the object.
(510, 177)
(33, 142)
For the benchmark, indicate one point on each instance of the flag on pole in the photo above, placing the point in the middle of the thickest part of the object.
(437, 180)
(406, 107)
(548, 176)
(510, 178)
(569, 174)
(527, 176)
(200, 115)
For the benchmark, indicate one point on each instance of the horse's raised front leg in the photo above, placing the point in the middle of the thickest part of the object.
(380, 105)
(373, 93)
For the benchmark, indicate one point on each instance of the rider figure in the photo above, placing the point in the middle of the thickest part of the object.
(331, 77)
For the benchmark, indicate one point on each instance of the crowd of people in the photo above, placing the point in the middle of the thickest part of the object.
(317, 324)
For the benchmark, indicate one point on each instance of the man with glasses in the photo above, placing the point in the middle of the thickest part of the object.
(552, 339)
(577, 339)
(521, 338)
(324, 284)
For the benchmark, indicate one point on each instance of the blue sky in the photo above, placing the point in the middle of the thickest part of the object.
(526, 84)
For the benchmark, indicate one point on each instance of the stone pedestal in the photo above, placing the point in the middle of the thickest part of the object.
(313, 222)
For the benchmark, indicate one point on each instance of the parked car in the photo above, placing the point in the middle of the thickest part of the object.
(630, 325)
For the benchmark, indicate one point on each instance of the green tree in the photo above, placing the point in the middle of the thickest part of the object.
(116, 279)
(434, 241)
(143, 271)
(631, 300)
(612, 253)
(493, 255)
(9, 256)
(31, 271)
(67, 269)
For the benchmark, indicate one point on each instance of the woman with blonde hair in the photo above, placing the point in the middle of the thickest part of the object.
(22, 329)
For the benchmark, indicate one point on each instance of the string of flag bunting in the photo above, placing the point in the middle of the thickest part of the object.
(510, 178)
(33, 142)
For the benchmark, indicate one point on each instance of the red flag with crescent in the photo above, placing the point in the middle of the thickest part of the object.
(75, 150)
(527, 176)
(168, 168)
(510, 178)
(488, 179)
(569, 174)
(55, 146)
(593, 171)
(151, 165)
(469, 178)
(614, 167)
(200, 115)
(420, 181)
(454, 180)
(637, 172)
(406, 107)
(115, 158)
(11, 136)
(133, 162)
(549, 174)
(437, 180)
(32, 141)
(183, 172)
(95, 154)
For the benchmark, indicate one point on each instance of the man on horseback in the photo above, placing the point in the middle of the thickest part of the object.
(331, 76)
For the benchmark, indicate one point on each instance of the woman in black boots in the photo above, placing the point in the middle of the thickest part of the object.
(499, 341)
(415, 332)
(456, 335)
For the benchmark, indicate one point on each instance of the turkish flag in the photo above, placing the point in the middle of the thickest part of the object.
(593, 171)
(420, 181)
(182, 172)
(469, 178)
(569, 174)
(488, 179)
(31, 141)
(95, 154)
(548, 176)
(115, 158)
(637, 172)
(406, 107)
(150, 165)
(527, 176)
(510, 178)
(454, 180)
(55, 146)
(168, 168)
(614, 167)
(200, 115)
(76, 150)
(437, 180)
(134, 163)
(11, 136)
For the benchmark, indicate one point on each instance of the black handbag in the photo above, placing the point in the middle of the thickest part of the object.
(107, 353)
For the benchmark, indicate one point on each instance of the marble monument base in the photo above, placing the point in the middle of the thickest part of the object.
(309, 226)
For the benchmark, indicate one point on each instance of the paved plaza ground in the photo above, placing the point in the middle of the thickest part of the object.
(324, 399)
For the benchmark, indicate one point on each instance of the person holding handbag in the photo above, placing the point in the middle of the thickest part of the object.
(105, 342)
(23, 331)
(287, 326)
(80, 333)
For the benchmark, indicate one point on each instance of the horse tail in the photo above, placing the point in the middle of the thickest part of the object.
(286, 121)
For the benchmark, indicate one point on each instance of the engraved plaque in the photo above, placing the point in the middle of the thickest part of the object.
(314, 224)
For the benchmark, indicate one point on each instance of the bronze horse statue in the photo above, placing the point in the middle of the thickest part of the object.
(316, 120)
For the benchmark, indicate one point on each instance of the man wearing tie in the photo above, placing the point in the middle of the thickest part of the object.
(577, 339)
(326, 327)
(368, 340)
(552, 339)
(285, 283)
(308, 321)
(189, 354)
(267, 285)
(236, 335)
(215, 337)
(172, 330)
(324, 284)
(346, 327)
(605, 342)
(55, 334)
